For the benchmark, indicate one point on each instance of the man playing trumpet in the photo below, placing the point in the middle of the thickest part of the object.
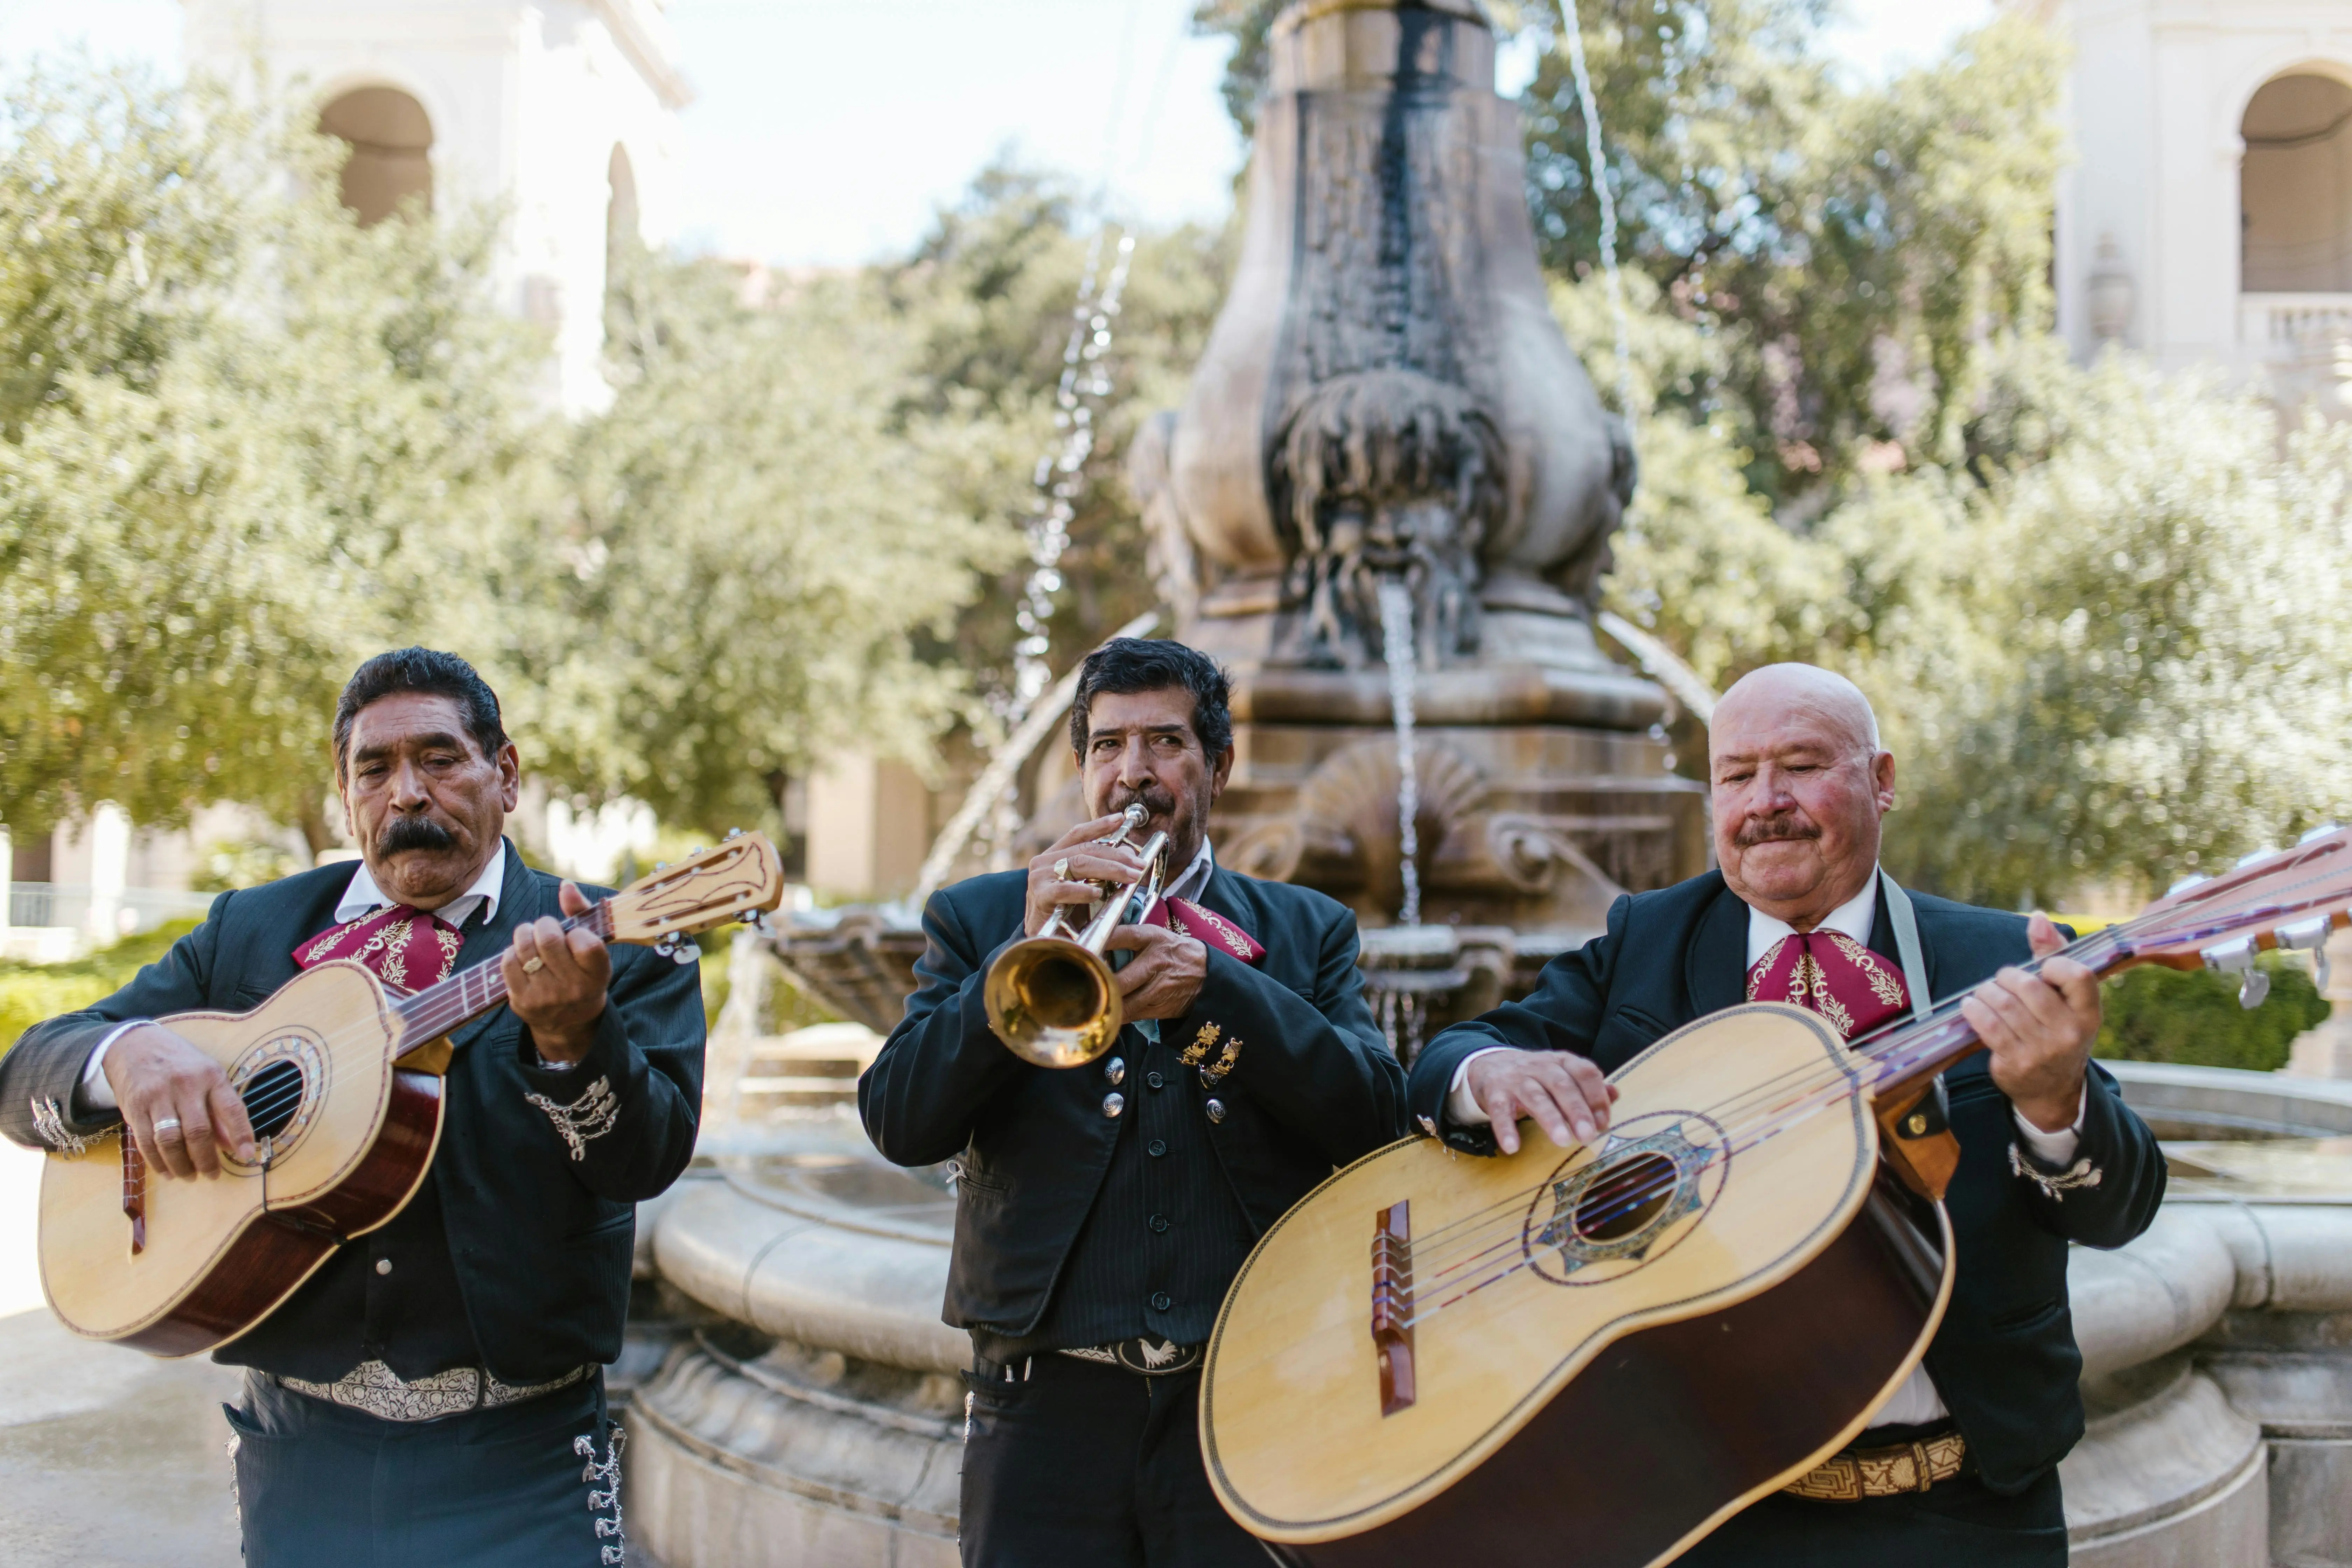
(1102, 1209)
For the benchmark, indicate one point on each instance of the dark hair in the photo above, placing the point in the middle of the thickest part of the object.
(1126, 664)
(422, 669)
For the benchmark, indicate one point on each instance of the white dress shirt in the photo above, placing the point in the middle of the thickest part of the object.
(1916, 1402)
(361, 897)
(1189, 885)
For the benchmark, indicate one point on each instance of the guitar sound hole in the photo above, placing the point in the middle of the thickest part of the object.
(1629, 1197)
(271, 1098)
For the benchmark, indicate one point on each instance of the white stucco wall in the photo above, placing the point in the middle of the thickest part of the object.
(2156, 96)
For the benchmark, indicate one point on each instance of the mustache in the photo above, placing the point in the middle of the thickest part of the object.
(1774, 830)
(1157, 800)
(415, 833)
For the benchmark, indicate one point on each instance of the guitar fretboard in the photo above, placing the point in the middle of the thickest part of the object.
(437, 1009)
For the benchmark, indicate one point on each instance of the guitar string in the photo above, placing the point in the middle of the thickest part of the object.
(1894, 1051)
(426, 1020)
(1906, 1045)
(1886, 1046)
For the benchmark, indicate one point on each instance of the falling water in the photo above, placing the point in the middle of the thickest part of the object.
(1598, 161)
(1396, 644)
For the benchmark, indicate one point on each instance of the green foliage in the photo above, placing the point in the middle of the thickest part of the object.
(990, 291)
(250, 444)
(1853, 249)
(30, 993)
(757, 528)
(2192, 1018)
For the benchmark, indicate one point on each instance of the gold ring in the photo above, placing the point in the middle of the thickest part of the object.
(533, 965)
(1062, 870)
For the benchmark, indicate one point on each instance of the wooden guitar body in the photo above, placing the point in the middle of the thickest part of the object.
(1595, 1356)
(352, 1134)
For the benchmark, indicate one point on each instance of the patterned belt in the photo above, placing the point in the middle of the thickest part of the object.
(1896, 1469)
(1153, 1358)
(376, 1389)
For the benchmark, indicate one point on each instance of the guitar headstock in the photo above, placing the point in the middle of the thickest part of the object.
(737, 876)
(2288, 898)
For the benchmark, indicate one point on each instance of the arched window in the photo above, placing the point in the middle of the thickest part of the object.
(2296, 189)
(391, 141)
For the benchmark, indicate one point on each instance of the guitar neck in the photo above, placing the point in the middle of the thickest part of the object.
(470, 992)
(1911, 1053)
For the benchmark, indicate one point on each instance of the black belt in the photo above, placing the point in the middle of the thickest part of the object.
(1143, 1355)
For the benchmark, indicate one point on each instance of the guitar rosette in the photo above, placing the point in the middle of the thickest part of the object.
(1605, 1213)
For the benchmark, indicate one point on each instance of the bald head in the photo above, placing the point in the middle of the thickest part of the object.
(1799, 785)
(1783, 689)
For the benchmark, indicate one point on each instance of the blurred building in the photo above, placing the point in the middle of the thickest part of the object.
(564, 110)
(2208, 217)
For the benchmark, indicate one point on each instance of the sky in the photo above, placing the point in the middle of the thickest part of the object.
(791, 161)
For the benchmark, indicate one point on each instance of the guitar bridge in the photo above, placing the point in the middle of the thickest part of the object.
(134, 1193)
(1393, 1304)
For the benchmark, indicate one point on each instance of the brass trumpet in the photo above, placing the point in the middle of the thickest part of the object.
(1052, 998)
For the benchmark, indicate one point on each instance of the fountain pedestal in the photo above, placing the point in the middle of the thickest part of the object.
(1386, 404)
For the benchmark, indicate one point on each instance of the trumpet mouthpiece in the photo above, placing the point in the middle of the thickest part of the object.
(1135, 815)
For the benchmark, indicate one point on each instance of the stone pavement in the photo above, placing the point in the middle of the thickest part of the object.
(109, 1458)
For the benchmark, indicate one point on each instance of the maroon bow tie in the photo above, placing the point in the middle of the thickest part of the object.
(406, 948)
(1207, 926)
(1831, 974)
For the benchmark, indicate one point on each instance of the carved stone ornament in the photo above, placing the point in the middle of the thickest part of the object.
(1386, 396)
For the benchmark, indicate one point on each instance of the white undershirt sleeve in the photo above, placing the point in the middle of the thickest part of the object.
(97, 1094)
(1464, 1110)
(2054, 1148)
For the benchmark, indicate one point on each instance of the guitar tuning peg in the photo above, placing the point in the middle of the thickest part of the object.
(2322, 831)
(696, 850)
(2185, 883)
(2251, 857)
(734, 833)
(2309, 936)
(2237, 958)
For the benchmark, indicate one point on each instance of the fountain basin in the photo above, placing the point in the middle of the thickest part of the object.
(812, 1417)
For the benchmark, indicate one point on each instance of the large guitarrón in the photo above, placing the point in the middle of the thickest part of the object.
(340, 1077)
(1599, 1356)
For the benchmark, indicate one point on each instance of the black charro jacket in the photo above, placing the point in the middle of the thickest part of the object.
(1313, 1084)
(541, 1242)
(2004, 1359)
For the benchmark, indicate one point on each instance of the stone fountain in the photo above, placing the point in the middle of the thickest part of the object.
(1384, 505)
(1386, 401)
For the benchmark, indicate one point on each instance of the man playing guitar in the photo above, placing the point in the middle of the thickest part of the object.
(434, 1392)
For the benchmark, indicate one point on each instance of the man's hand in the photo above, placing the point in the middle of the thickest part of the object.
(1066, 873)
(1163, 978)
(1566, 1094)
(556, 981)
(156, 1076)
(2040, 1028)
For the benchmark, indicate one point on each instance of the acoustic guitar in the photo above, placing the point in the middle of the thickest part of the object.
(1598, 1356)
(341, 1078)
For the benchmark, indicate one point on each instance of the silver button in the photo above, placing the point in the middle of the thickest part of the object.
(1113, 1104)
(1115, 1069)
(383, 1265)
(1216, 1111)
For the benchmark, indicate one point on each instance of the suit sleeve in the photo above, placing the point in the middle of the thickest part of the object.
(40, 1075)
(1319, 1066)
(627, 1111)
(1562, 1014)
(922, 1095)
(2109, 1194)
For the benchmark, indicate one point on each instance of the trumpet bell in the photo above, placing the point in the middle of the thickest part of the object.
(1054, 1002)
